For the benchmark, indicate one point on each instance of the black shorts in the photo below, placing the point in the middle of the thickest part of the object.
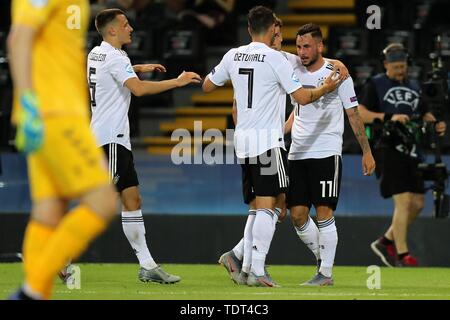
(265, 175)
(315, 182)
(121, 166)
(398, 173)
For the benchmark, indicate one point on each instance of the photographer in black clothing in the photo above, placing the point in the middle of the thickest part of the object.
(393, 97)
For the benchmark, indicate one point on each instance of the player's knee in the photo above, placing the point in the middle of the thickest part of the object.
(102, 200)
(419, 203)
(324, 213)
(132, 203)
(282, 213)
(48, 212)
(298, 217)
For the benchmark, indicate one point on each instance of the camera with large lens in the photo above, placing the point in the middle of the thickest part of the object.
(435, 95)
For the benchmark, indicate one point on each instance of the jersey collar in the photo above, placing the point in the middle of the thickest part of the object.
(105, 44)
(256, 44)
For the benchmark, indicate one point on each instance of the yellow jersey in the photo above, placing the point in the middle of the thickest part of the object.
(58, 57)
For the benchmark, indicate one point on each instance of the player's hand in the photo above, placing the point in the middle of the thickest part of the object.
(149, 68)
(30, 129)
(368, 163)
(187, 77)
(440, 128)
(341, 69)
(332, 81)
(402, 118)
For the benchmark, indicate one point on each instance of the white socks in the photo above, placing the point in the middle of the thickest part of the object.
(309, 234)
(134, 229)
(328, 240)
(238, 249)
(248, 241)
(262, 231)
(243, 250)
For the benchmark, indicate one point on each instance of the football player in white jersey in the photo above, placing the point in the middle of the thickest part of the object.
(237, 261)
(260, 77)
(112, 79)
(315, 153)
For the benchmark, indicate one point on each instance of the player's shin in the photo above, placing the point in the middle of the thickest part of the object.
(72, 236)
(309, 234)
(328, 240)
(263, 229)
(248, 241)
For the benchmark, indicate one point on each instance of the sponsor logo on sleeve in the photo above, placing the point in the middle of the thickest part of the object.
(353, 99)
(294, 77)
(129, 68)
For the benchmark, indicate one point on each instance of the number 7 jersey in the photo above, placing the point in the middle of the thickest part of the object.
(261, 77)
(108, 68)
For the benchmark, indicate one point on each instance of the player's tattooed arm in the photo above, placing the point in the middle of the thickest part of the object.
(358, 128)
(368, 162)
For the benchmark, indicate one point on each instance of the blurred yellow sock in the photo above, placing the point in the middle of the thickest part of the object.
(34, 242)
(72, 236)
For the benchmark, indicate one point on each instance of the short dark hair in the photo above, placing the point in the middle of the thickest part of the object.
(312, 28)
(106, 16)
(260, 19)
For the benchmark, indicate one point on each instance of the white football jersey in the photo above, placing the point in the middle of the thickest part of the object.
(318, 127)
(261, 77)
(108, 68)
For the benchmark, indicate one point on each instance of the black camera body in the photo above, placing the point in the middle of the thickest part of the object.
(435, 95)
(437, 172)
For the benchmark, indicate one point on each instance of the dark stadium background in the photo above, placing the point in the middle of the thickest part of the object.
(194, 213)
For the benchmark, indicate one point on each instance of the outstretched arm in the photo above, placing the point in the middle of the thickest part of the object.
(141, 88)
(304, 96)
(141, 68)
(208, 85)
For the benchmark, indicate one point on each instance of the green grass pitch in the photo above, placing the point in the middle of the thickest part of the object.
(205, 282)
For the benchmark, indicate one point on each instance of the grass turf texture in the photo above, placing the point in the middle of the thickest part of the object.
(205, 282)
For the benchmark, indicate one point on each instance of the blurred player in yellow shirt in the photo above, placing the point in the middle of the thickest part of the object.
(47, 61)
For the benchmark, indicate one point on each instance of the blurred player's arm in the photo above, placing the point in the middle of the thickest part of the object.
(30, 129)
(140, 88)
(20, 44)
(289, 122)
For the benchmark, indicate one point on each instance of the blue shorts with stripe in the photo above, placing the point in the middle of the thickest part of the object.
(315, 182)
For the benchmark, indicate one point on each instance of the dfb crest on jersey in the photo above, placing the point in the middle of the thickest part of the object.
(320, 82)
